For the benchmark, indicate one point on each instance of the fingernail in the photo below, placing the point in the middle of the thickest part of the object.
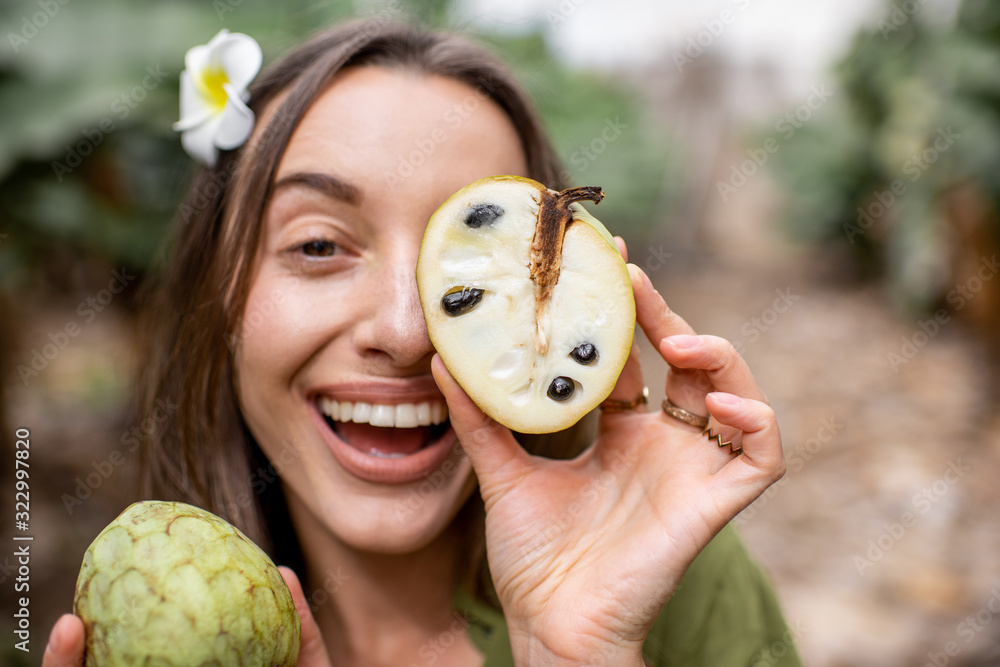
(726, 399)
(646, 281)
(683, 341)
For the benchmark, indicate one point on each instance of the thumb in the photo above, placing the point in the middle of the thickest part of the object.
(495, 454)
(66, 643)
(312, 651)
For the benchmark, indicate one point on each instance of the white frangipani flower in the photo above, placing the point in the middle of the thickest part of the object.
(214, 114)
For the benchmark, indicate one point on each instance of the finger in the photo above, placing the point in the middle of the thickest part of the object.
(630, 384)
(762, 462)
(312, 650)
(719, 361)
(490, 446)
(66, 643)
(622, 249)
(702, 364)
(659, 322)
(629, 387)
(652, 312)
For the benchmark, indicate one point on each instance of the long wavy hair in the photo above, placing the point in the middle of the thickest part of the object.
(202, 451)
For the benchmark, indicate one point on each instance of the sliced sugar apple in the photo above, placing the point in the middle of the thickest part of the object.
(170, 584)
(527, 300)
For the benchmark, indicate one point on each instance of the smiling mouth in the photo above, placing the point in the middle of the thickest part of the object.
(386, 431)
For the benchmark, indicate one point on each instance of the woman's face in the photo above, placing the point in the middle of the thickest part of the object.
(333, 365)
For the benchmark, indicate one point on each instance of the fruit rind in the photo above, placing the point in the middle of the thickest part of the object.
(170, 584)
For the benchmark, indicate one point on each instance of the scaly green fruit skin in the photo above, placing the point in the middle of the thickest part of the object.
(172, 585)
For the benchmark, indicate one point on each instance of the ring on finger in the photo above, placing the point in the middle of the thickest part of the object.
(738, 449)
(613, 406)
(698, 421)
(683, 415)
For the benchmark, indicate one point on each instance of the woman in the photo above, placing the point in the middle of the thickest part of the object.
(292, 285)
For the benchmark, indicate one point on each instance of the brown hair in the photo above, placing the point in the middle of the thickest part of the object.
(202, 451)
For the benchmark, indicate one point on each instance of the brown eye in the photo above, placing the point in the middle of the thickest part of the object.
(319, 248)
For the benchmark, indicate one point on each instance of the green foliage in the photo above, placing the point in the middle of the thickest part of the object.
(90, 169)
(920, 110)
(601, 132)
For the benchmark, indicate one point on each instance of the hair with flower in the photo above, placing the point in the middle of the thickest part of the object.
(214, 95)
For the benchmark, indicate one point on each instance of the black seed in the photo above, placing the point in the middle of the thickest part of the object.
(561, 389)
(585, 354)
(462, 301)
(483, 214)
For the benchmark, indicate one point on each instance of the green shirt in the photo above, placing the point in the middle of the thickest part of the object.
(724, 614)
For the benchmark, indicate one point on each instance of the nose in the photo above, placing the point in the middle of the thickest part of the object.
(393, 332)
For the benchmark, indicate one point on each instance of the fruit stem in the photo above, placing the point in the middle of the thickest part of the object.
(554, 216)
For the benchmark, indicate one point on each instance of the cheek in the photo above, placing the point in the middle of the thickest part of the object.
(261, 355)
(263, 346)
(273, 342)
(282, 326)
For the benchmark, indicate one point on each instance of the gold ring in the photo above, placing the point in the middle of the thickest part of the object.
(683, 415)
(718, 441)
(624, 406)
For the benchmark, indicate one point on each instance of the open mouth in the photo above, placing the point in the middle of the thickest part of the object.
(386, 431)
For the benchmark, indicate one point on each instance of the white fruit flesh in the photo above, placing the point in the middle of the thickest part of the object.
(504, 359)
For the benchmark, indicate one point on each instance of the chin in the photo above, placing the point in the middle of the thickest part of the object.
(391, 482)
(403, 524)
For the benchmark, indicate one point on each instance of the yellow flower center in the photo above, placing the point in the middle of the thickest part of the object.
(210, 83)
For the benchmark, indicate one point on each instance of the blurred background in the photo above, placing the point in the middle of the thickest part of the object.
(818, 182)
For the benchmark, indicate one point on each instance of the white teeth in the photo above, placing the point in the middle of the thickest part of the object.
(406, 415)
(423, 414)
(362, 411)
(383, 415)
(401, 415)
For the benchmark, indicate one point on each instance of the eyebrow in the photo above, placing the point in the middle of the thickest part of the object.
(331, 186)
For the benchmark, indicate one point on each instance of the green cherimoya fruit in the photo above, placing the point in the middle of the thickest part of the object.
(170, 584)
(527, 300)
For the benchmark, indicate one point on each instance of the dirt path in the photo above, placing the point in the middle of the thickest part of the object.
(883, 536)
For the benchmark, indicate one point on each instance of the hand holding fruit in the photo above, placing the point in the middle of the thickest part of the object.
(585, 553)
(174, 584)
(67, 638)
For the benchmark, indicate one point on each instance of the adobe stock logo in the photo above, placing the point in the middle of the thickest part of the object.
(899, 16)
(915, 167)
(59, 340)
(967, 630)
(122, 106)
(425, 147)
(755, 327)
(37, 21)
(587, 154)
(959, 297)
(712, 30)
(784, 130)
(131, 440)
(923, 502)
